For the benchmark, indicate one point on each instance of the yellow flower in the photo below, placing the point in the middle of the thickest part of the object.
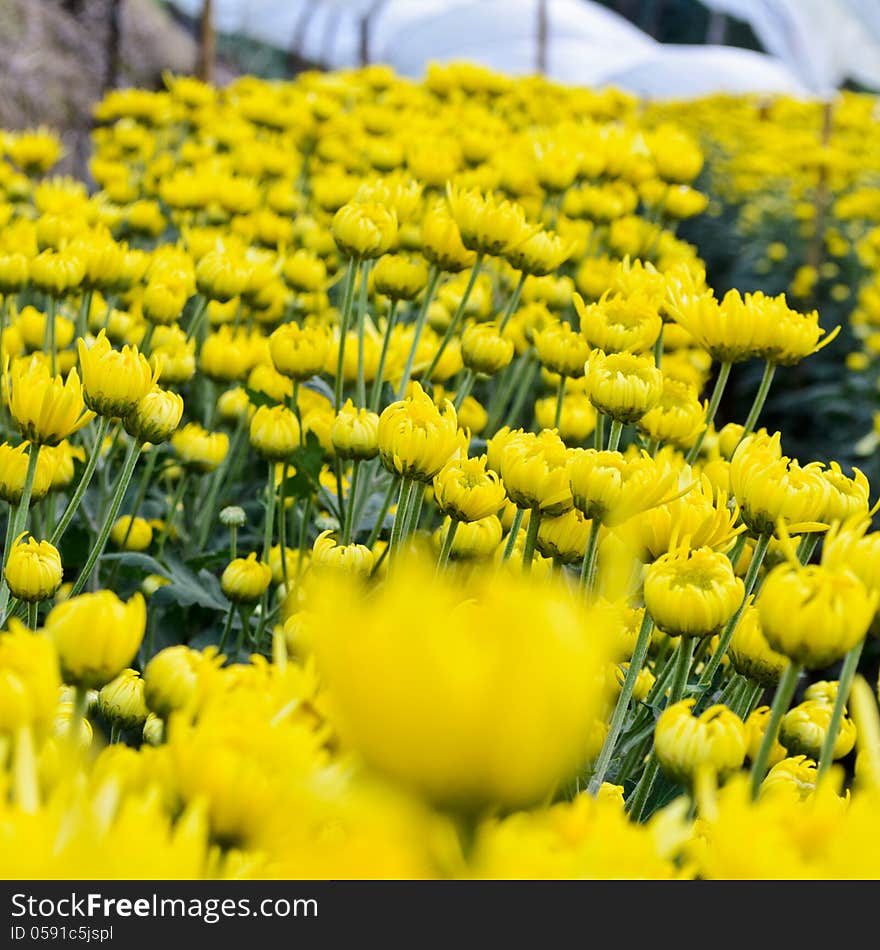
(751, 654)
(539, 254)
(304, 272)
(45, 408)
(114, 381)
(612, 488)
(441, 242)
(686, 744)
(175, 678)
(355, 432)
(487, 224)
(619, 324)
(96, 636)
(29, 682)
(815, 614)
(564, 537)
(562, 350)
(770, 486)
(484, 350)
(756, 726)
(274, 433)
(622, 385)
(509, 731)
(416, 439)
(245, 579)
(299, 352)
(121, 701)
(678, 418)
(221, 276)
(132, 534)
(473, 539)
(155, 417)
(466, 490)
(364, 230)
(400, 277)
(534, 469)
(33, 569)
(805, 726)
(199, 449)
(348, 558)
(692, 593)
(13, 471)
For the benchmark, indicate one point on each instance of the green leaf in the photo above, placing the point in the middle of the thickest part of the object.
(307, 460)
(137, 559)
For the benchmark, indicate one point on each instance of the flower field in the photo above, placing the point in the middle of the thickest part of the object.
(448, 479)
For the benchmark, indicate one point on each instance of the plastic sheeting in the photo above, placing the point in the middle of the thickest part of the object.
(824, 42)
(587, 44)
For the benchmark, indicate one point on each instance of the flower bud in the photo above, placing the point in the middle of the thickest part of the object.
(33, 569)
(274, 433)
(484, 350)
(132, 534)
(199, 449)
(245, 580)
(155, 417)
(805, 726)
(364, 230)
(121, 701)
(685, 744)
(355, 433)
(96, 636)
(351, 558)
(692, 593)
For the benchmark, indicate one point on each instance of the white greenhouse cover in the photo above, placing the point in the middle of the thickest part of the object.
(587, 44)
(824, 42)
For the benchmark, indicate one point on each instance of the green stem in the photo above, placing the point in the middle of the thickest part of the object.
(513, 303)
(270, 512)
(401, 515)
(683, 657)
(807, 546)
(376, 396)
(218, 479)
(760, 399)
(636, 663)
(82, 317)
(514, 533)
(51, 306)
(560, 397)
(344, 316)
(614, 435)
(128, 466)
(599, 432)
(446, 549)
(32, 615)
(77, 714)
(714, 402)
(658, 347)
(642, 792)
(352, 494)
(430, 290)
(465, 389)
(455, 321)
(724, 640)
(588, 565)
(230, 613)
(199, 311)
(361, 322)
(781, 702)
(380, 518)
(171, 515)
(530, 367)
(85, 478)
(847, 673)
(531, 538)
